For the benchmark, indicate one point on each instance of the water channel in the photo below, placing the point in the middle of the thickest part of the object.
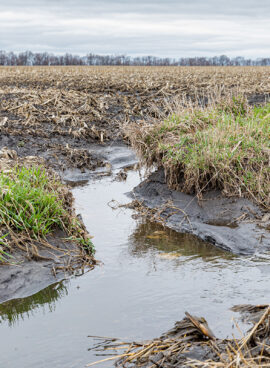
(148, 278)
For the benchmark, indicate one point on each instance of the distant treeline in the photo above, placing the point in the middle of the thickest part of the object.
(44, 58)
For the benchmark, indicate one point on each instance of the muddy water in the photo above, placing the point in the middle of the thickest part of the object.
(150, 276)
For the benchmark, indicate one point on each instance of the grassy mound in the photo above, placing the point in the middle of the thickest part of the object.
(34, 203)
(224, 146)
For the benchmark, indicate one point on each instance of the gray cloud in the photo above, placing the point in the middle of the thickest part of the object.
(163, 28)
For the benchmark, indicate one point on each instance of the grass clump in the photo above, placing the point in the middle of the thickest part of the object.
(28, 203)
(224, 146)
(35, 203)
(4, 254)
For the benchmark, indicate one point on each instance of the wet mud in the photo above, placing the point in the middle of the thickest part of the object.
(233, 224)
(28, 276)
(114, 155)
(60, 153)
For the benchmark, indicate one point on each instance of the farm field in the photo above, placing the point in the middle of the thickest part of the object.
(60, 109)
(191, 146)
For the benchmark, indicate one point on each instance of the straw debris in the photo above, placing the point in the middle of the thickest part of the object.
(191, 343)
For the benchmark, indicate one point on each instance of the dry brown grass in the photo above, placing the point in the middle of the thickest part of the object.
(169, 350)
(224, 145)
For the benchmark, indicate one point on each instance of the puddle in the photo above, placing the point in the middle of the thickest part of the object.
(150, 276)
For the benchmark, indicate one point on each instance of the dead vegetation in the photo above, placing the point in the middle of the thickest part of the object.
(224, 145)
(55, 112)
(192, 338)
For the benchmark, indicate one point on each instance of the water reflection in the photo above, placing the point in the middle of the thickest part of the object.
(16, 309)
(122, 297)
(149, 237)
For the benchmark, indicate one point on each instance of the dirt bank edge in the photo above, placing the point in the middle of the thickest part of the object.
(232, 224)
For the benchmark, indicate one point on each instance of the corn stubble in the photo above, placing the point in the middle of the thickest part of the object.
(93, 102)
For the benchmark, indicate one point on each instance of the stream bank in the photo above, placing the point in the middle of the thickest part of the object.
(234, 224)
(28, 275)
(149, 276)
(42, 240)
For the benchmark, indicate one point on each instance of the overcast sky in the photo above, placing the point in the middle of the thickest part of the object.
(173, 28)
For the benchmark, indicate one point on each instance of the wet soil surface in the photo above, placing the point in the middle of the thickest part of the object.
(60, 153)
(233, 224)
(115, 155)
(28, 276)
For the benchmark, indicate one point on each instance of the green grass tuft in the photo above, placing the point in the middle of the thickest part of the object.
(27, 203)
(34, 203)
(225, 146)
